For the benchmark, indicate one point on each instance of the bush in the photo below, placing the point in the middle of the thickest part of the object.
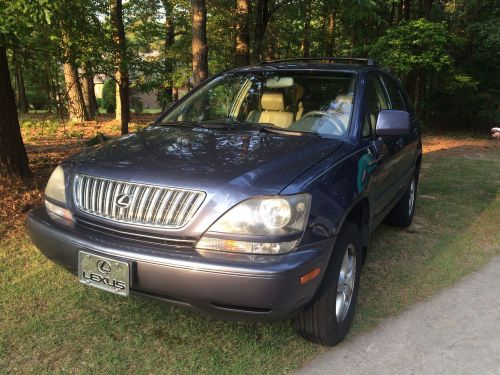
(136, 103)
(37, 99)
(109, 96)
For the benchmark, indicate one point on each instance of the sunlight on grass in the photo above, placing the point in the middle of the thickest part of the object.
(49, 322)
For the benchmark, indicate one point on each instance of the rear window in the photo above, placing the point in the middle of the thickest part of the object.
(396, 97)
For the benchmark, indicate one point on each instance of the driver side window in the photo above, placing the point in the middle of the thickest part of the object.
(376, 100)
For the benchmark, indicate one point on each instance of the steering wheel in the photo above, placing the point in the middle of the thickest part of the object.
(331, 117)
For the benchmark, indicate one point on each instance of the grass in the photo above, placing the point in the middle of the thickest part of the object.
(49, 323)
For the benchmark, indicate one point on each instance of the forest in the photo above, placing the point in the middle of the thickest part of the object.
(446, 52)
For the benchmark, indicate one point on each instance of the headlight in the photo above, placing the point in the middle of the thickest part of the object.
(55, 187)
(258, 218)
(55, 201)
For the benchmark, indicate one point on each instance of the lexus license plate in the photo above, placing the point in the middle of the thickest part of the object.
(104, 273)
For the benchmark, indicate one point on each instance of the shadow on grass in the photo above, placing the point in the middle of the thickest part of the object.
(51, 323)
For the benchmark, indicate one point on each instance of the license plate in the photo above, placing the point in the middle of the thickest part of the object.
(104, 273)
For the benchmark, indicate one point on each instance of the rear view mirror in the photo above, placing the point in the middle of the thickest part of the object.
(279, 82)
(392, 122)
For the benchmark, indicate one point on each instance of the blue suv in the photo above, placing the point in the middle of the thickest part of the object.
(253, 197)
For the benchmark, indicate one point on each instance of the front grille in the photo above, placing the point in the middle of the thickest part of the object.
(133, 203)
(135, 235)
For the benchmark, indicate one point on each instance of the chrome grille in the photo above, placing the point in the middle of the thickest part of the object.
(134, 203)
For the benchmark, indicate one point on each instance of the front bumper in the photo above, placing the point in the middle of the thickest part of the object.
(265, 288)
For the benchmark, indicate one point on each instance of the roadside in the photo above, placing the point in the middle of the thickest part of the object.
(455, 332)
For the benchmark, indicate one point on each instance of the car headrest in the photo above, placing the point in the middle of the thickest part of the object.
(273, 101)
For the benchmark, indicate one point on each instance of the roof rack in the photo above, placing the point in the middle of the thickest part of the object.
(367, 61)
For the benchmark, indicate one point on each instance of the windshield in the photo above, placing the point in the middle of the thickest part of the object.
(298, 102)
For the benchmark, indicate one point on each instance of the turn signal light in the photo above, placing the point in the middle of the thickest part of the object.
(310, 275)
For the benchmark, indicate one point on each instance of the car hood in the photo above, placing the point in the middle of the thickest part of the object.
(228, 165)
(206, 159)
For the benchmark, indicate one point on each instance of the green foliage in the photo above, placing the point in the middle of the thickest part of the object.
(43, 127)
(19, 17)
(37, 99)
(109, 96)
(418, 45)
(447, 55)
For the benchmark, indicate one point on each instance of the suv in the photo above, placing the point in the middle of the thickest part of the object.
(253, 197)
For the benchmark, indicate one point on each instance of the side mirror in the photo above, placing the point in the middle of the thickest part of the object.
(392, 122)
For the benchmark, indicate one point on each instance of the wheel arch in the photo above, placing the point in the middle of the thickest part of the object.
(359, 214)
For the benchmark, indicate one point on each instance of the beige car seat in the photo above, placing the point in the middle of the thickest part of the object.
(273, 110)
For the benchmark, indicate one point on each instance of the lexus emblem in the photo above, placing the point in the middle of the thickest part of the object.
(123, 200)
(103, 266)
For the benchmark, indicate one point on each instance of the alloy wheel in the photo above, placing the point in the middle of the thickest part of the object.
(345, 286)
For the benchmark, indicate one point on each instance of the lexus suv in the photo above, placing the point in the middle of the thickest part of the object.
(253, 197)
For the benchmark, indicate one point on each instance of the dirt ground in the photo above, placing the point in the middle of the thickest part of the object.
(45, 151)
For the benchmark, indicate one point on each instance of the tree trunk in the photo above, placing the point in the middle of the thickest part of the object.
(118, 105)
(76, 105)
(22, 101)
(199, 42)
(407, 9)
(242, 42)
(169, 42)
(427, 8)
(305, 46)
(392, 14)
(175, 93)
(121, 76)
(13, 157)
(89, 92)
(400, 11)
(330, 33)
(261, 22)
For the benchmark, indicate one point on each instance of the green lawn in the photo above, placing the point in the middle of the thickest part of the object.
(49, 323)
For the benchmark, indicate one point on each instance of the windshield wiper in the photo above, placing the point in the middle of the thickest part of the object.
(267, 127)
(227, 123)
(184, 124)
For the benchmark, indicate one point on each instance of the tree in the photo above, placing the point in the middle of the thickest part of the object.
(199, 45)
(306, 38)
(88, 90)
(22, 100)
(76, 104)
(416, 50)
(17, 21)
(242, 40)
(121, 76)
(13, 157)
(265, 9)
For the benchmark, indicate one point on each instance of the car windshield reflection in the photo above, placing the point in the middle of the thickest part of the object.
(292, 103)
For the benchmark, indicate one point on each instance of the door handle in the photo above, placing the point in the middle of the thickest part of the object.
(376, 160)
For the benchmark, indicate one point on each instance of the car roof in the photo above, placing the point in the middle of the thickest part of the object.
(304, 66)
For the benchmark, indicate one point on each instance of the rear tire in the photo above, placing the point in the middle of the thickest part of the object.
(402, 213)
(328, 318)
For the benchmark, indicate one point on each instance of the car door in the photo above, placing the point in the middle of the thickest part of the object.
(406, 145)
(386, 150)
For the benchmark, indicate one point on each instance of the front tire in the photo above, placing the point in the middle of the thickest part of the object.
(328, 318)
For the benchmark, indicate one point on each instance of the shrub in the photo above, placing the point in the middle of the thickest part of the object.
(109, 96)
